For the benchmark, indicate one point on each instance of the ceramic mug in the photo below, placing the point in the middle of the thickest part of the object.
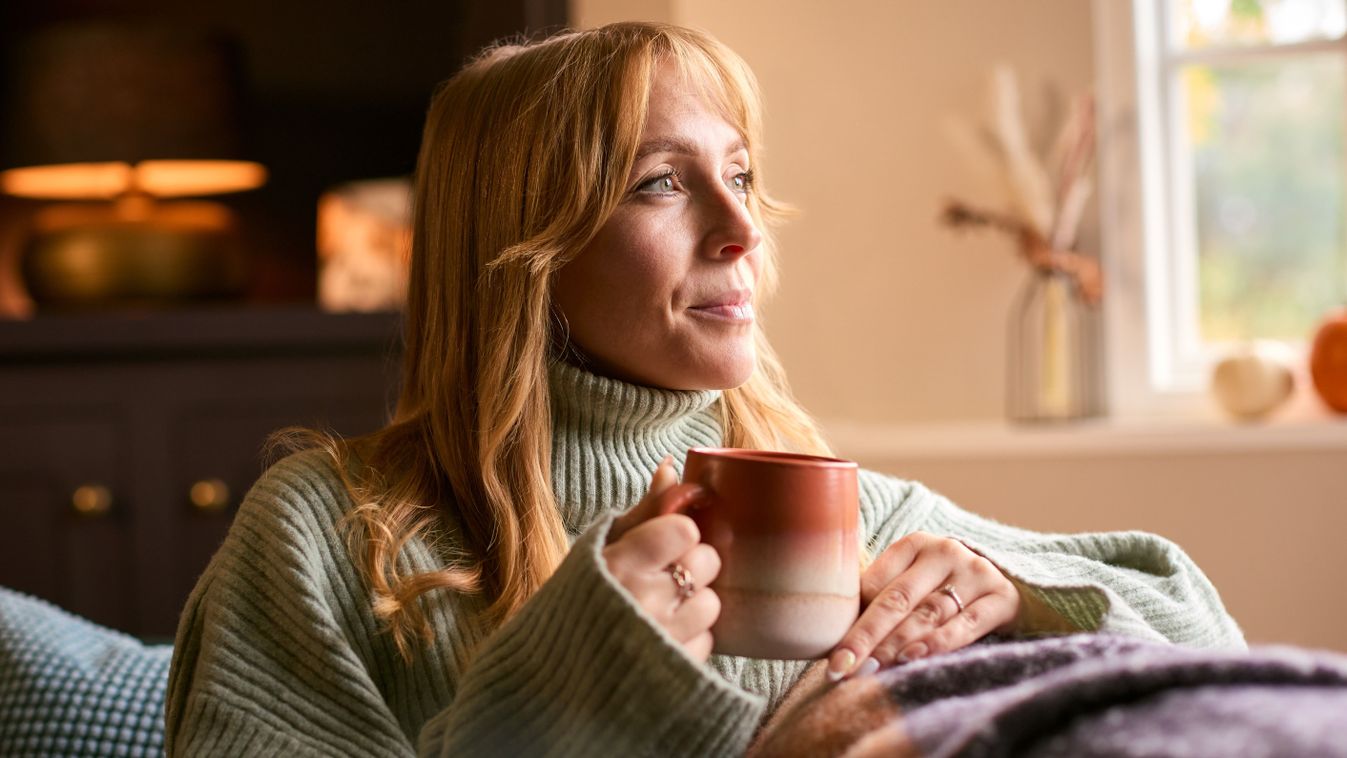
(785, 526)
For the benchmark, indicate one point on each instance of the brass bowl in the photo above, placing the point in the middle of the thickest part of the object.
(80, 261)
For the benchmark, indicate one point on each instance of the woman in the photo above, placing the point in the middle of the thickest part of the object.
(590, 243)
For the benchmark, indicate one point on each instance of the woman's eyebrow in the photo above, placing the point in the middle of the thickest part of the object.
(679, 146)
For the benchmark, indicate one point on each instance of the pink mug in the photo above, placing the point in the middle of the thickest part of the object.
(785, 526)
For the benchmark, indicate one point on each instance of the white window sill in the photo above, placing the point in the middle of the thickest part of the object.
(1303, 425)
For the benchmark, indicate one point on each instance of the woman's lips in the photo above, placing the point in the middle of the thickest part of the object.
(735, 313)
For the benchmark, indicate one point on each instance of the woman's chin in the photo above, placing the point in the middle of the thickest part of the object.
(725, 374)
(679, 370)
(739, 379)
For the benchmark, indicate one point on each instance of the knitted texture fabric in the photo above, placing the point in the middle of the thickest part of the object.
(69, 687)
(1122, 696)
(278, 651)
(1077, 695)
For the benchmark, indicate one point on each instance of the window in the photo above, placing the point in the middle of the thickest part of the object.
(1224, 169)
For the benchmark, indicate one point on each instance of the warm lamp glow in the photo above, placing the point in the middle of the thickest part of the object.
(109, 180)
(178, 178)
(71, 181)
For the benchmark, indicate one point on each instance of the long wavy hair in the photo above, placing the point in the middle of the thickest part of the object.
(525, 155)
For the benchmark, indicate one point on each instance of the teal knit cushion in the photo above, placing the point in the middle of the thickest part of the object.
(72, 688)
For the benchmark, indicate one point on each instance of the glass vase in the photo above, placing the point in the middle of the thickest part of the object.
(1053, 371)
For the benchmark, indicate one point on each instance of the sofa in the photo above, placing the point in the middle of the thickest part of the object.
(69, 687)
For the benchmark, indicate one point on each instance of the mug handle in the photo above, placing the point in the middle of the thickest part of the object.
(683, 504)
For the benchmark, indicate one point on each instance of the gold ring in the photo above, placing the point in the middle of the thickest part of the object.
(683, 580)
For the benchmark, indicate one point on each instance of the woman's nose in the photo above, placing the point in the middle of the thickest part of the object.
(733, 231)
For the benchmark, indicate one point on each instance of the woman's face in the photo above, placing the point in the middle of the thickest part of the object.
(663, 295)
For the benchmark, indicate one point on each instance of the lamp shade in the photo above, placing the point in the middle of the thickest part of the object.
(97, 110)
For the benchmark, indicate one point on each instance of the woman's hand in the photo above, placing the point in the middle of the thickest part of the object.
(910, 609)
(646, 544)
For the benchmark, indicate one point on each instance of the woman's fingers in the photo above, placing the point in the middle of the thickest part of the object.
(890, 563)
(650, 581)
(699, 647)
(661, 481)
(665, 495)
(886, 610)
(655, 553)
(643, 562)
(909, 615)
(990, 601)
(694, 616)
(703, 563)
(653, 544)
(939, 613)
(656, 589)
(962, 629)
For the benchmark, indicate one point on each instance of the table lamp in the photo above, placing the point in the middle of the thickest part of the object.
(128, 117)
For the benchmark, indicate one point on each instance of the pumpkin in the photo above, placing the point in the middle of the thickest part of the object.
(1328, 360)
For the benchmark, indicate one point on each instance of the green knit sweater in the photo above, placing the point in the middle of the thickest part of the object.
(279, 653)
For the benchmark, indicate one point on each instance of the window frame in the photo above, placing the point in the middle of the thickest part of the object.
(1157, 364)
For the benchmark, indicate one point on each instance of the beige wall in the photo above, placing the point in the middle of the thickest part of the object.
(883, 315)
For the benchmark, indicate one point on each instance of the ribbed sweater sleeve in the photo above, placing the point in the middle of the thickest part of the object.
(278, 653)
(581, 670)
(272, 653)
(1132, 583)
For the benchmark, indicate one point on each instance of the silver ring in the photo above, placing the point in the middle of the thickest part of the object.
(683, 580)
(948, 589)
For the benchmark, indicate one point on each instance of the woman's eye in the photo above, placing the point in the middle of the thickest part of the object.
(662, 184)
(742, 182)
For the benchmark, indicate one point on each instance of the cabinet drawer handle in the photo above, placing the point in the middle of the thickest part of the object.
(210, 495)
(92, 500)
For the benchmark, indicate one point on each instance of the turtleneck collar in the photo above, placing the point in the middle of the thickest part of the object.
(608, 436)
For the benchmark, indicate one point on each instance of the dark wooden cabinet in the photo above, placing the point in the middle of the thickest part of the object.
(127, 414)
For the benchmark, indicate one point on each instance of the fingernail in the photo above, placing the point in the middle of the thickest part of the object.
(912, 653)
(665, 476)
(840, 664)
(870, 666)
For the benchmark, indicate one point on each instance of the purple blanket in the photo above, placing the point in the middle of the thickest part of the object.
(1082, 695)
